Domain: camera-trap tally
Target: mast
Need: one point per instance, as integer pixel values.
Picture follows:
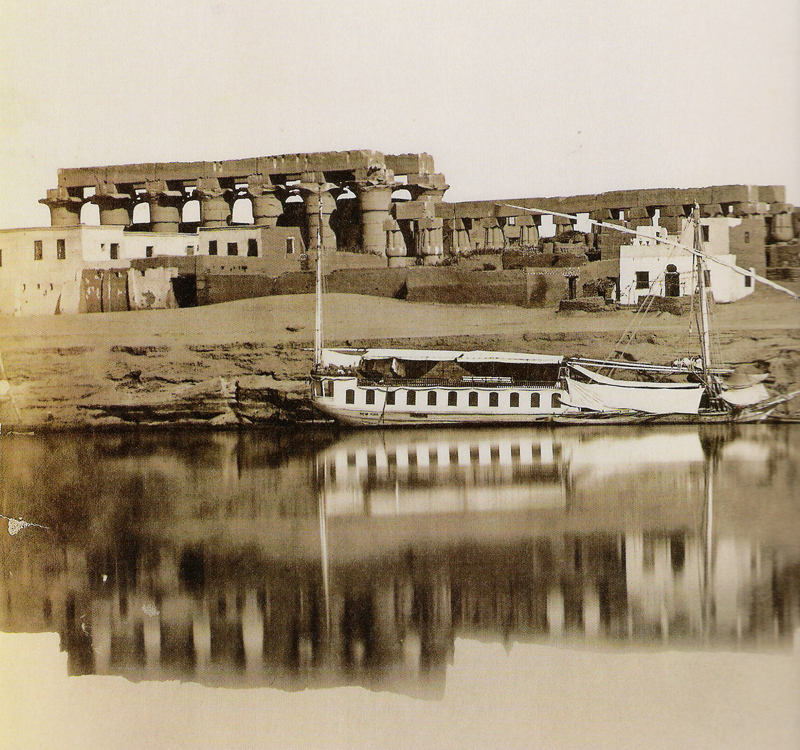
(705, 339)
(318, 318)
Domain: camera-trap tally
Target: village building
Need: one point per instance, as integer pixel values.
(188, 233)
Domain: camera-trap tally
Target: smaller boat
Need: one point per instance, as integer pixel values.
(385, 387)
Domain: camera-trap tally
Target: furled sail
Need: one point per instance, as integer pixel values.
(748, 396)
(606, 394)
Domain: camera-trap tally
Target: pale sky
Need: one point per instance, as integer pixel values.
(512, 99)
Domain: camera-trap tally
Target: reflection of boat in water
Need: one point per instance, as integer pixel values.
(390, 387)
(164, 591)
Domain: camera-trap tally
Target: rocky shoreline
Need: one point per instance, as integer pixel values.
(109, 377)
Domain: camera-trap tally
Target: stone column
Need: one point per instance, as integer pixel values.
(529, 230)
(65, 209)
(374, 201)
(267, 206)
(310, 191)
(115, 207)
(781, 226)
(165, 206)
(215, 207)
(396, 248)
(430, 240)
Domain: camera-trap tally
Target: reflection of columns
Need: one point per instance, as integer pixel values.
(374, 201)
(555, 611)
(266, 205)
(215, 207)
(201, 637)
(152, 640)
(65, 209)
(310, 191)
(252, 633)
(165, 206)
(115, 208)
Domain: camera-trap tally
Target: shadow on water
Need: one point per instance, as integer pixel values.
(308, 560)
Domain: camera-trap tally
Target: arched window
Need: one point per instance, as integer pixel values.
(473, 398)
(411, 398)
(350, 396)
(513, 400)
(536, 401)
(494, 399)
(431, 398)
(370, 396)
(452, 398)
(389, 398)
(555, 400)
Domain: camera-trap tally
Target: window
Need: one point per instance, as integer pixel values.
(350, 396)
(535, 400)
(746, 237)
(431, 398)
(511, 221)
(114, 251)
(494, 400)
(212, 247)
(643, 279)
(233, 248)
(473, 398)
(748, 281)
(327, 388)
(61, 249)
(390, 398)
(452, 398)
(37, 250)
(190, 249)
(513, 400)
(704, 231)
(317, 388)
(555, 400)
(370, 396)
(289, 245)
(411, 398)
(252, 247)
(148, 251)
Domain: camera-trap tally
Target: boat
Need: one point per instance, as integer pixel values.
(387, 387)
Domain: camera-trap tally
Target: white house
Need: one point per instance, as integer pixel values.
(651, 267)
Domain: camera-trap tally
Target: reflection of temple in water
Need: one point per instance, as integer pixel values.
(528, 543)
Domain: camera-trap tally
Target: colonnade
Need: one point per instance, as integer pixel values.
(269, 195)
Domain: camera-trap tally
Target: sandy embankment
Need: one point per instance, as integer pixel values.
(245, 362)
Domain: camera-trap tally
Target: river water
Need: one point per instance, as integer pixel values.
(290, 560)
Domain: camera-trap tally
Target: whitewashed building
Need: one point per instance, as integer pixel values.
(649, 266)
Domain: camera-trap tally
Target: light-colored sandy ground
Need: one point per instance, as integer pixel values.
(535, 696)
(191, 364)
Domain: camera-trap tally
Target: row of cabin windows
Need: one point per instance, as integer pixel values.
(452, 398)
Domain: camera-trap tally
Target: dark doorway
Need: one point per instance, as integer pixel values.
(573, 286)
(185, 290)
(672, 282)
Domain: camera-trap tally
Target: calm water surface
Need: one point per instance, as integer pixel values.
(298, 560)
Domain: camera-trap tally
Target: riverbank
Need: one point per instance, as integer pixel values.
(245, 363)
